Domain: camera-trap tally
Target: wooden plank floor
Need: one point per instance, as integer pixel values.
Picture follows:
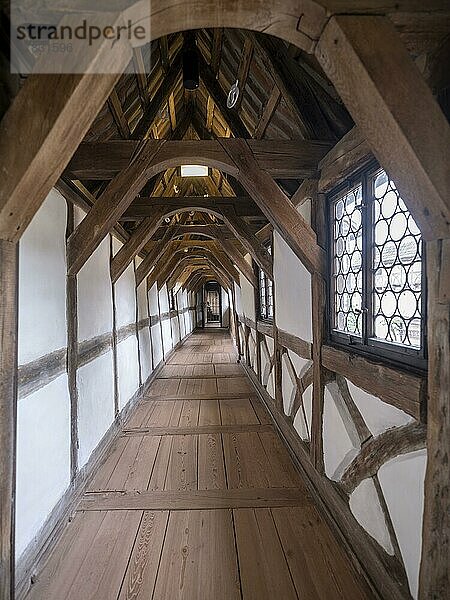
(199, 500)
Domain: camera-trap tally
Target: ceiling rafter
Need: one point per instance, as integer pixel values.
(299, 98)
(159, 99)
(120, 120)
(243, 70)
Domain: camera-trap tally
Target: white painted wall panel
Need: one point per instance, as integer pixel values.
(292, 291)
(166, 336)
(95, 314)
(153, 300)
(225, 308)
(125, 297)
(247, 296)
(95, 403)
(142, 301)
(337, 445)
(402, 482)
(128, 369)
(175, 329)
(157, 344)
(146, 353)
(42, 281)
(237, 295)
(365, 505)
(43, 457)
(377, 414)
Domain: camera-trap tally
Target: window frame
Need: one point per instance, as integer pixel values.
(368, 346)
(258, 271)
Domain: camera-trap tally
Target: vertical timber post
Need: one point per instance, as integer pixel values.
(434, 577)
(72, 349)
(114, 336)
(318, 298)
(9, 263)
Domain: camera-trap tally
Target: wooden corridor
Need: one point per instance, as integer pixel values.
(198, 499)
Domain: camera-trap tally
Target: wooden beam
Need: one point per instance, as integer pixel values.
(287, 159)
(299, 98)
(108, 208)
(434, 574)
(9, 260)
(216, 92)
(160, 97)
(404, 390)
(118, 115)
(379, 450)
(145, 206)
(250, 242)
(269, 110)
(384, 91)
(141, 76)
(137, 241)
(216, 51)
(277, 207)
(243, 70)
(350, 154)
(154, 255)
(172, 112)
(78, 195)
(164, 53)
(37, 144)
(238, 259)
(307, 190)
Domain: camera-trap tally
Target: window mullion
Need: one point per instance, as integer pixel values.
(367, 260)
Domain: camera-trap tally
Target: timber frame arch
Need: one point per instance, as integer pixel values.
(410, 148)
(233, 157)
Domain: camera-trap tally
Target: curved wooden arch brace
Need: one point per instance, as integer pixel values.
(221, 242)
(376, 451)
(235, 158)
(220, 259)
(148, 227)
(167, 270)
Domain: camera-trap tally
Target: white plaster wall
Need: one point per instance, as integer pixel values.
(146, 353)
(175, 329)
(142, 301)
(42, 281)
(125, 296)
(365, 506)
(95, 403)
(402, 482)
(225, 308)
(127, 350)
(153, 300)
(163, 299)
(144, 333)
(292, 291)
(157, 344)
(166, 331)
(43, 457)
(165, 324)
(237, 295)
(337, 445)
(128, 369)
(247, 299)
(377, 414)
(95, 311)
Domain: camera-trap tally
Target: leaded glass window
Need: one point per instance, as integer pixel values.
(265, 295)
(377, 280)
